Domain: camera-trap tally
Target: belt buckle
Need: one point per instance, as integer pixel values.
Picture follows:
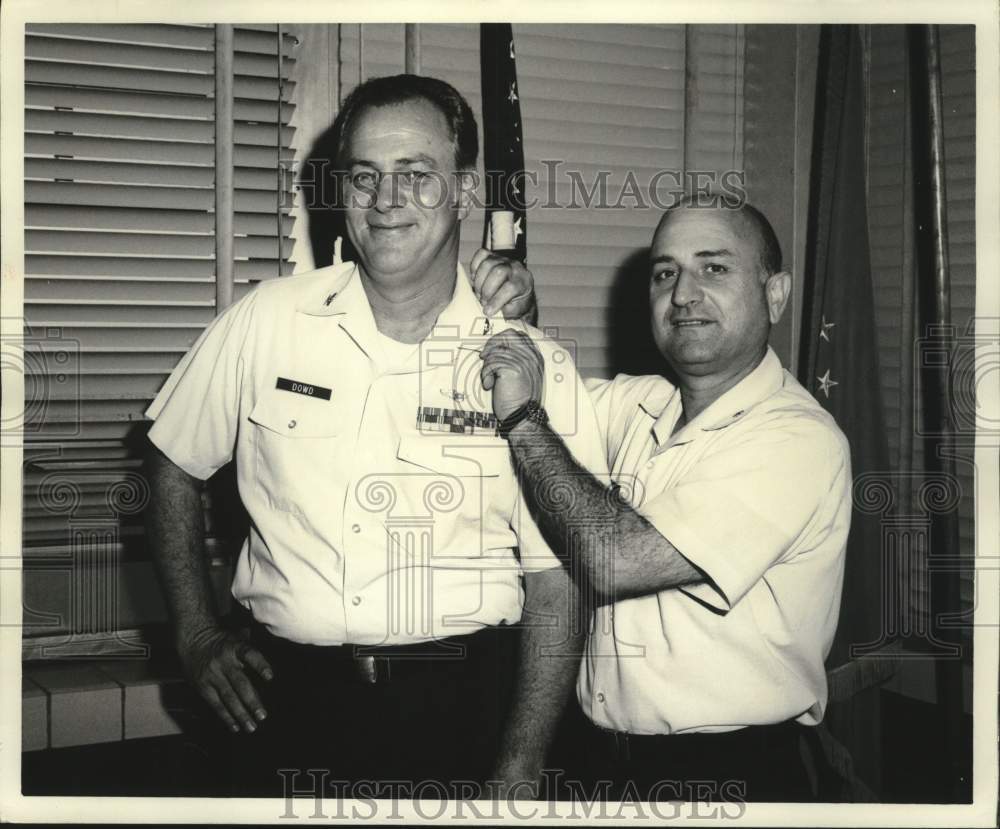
(367, 669)
(373, 669)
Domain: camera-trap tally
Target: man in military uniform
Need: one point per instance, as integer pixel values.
(390, 554)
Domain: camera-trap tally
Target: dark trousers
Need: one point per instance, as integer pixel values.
(754, 764)
(411, 718)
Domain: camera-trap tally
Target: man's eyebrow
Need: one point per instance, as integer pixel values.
(701, 254)
(419, 158)
(714, 253)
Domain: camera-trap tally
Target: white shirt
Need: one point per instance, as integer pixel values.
(755, 492)
(368, 526)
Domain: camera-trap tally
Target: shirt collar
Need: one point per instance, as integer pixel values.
(765, 380)
(463, 316)
(339, 292)
(342, 294)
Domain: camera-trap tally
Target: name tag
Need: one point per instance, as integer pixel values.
(308, 389)
(456, 421)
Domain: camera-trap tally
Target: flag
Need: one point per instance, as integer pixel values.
(839, 365)
(503, 149)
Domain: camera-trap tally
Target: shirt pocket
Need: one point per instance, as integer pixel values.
(460, 456)
(294, 441)
(465, 485)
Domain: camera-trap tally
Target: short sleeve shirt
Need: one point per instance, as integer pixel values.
(384, 506)
(755, 493)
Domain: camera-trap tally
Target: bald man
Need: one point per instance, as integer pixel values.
(716, 600)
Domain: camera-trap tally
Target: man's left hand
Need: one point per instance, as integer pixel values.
(514, 369)
(504, 285)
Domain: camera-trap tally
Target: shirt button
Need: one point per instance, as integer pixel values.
(291, 424)
(600, 697)
(649, 465)
(356, 601)
(355, 528)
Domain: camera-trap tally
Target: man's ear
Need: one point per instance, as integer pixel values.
(777, 289)
(466, 181)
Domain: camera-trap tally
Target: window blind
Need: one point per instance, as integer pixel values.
(958, 70)
(119, 246)
(890, 209)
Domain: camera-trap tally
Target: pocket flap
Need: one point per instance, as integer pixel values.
(458, 457)
(295, 416)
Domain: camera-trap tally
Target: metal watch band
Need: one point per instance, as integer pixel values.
(532, 410)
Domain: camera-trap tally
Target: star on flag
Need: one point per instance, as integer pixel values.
(825, 383)
(824, 329)
(517, 228)
(512, 95)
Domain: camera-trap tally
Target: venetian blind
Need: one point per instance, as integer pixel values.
(890, 210)
(958, 68)
(119, 245)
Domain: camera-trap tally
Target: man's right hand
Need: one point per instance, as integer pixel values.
(503, 284)
(214, 660)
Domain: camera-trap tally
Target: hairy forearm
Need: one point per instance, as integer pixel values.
(548, 661)
(568, 500)
(175, 533)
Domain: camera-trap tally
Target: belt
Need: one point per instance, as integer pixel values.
(624, 746)
(374, 665)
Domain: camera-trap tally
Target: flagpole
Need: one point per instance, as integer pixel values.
(224, 181)
(946, 598)
(690, 87)
(939, 316)
(411, 57)
(942, 283)
(503, 152)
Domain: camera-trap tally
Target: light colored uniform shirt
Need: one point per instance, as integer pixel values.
(384, 507)
(756, 493)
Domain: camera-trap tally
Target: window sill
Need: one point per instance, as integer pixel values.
(101, 701)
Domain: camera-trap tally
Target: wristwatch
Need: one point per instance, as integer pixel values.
(532, 410)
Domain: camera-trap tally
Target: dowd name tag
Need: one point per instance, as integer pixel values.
(308, 389)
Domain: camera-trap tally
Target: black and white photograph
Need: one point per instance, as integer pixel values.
(493, 415)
